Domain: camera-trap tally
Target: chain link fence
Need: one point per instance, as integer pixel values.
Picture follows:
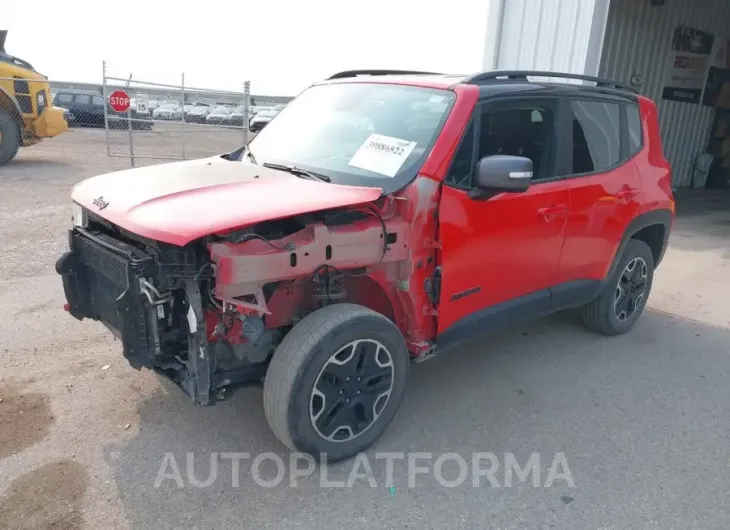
(171, 122)
(163, 122)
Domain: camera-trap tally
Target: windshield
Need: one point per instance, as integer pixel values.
(238, 110)
(364, 134)
(167, 106)
(221, 110)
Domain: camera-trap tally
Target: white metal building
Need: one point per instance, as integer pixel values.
(634, 41)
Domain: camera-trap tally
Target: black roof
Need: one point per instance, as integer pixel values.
(511, 81)
(552, 89)
(499, 82)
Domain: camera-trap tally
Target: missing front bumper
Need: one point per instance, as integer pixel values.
(101, 281)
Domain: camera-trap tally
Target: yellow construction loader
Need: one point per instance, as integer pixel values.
(26, 111)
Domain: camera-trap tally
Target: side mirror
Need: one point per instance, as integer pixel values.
(504, 173)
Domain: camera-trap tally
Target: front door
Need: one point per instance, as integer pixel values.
(97, 110)
(83, 110)
(500, 255)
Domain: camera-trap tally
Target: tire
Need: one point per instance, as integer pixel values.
(9, 137)
(603, 314)
(307, 355)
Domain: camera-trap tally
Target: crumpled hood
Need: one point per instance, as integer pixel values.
(180, 202)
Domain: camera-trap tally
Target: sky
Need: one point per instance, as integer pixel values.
(281, 46)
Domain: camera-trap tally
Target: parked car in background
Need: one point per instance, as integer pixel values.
(197, 114)
(190, 106)
(168, 111)
(237, 116)
(87, 109)
(218, 115)
(68, 116)
(261, 120)
(187, 109)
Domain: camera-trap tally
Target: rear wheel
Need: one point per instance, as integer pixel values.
(9, 137)
(617, 309)
(336, 381)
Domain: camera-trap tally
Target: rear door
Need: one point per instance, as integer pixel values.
(500, 255)
(604, 186)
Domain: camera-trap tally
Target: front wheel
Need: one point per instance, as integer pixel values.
(9, 137)
(336, 381)
(616, 310)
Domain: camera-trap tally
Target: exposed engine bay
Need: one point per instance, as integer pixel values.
(209, 315)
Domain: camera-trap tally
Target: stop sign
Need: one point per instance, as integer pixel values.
(119, 100)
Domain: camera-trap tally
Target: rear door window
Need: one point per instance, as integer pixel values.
(83, 99)
(596, 136)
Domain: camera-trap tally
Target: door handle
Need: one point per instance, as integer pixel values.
(627, 193)
(551, 212)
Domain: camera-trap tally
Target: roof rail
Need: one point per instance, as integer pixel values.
(355, 73)
(522, 76)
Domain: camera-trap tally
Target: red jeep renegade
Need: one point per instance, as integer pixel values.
(380, 218)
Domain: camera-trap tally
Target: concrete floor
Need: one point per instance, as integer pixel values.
(643, 420)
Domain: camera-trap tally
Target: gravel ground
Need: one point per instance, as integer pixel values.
(642, 419)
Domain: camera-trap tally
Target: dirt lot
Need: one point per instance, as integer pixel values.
(642, 419)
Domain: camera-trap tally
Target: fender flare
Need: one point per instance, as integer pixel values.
(655, 217)
(17, 113)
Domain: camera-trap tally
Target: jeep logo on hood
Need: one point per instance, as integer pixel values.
(100, 203)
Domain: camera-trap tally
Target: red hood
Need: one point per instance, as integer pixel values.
(179, 202)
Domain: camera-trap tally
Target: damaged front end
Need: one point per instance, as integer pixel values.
(153, 298)
(209, 315)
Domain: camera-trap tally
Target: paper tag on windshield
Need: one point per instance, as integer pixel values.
(382, 154)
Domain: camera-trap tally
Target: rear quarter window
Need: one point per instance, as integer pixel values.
(636, 132)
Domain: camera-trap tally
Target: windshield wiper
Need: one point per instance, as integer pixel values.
(299, 172)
